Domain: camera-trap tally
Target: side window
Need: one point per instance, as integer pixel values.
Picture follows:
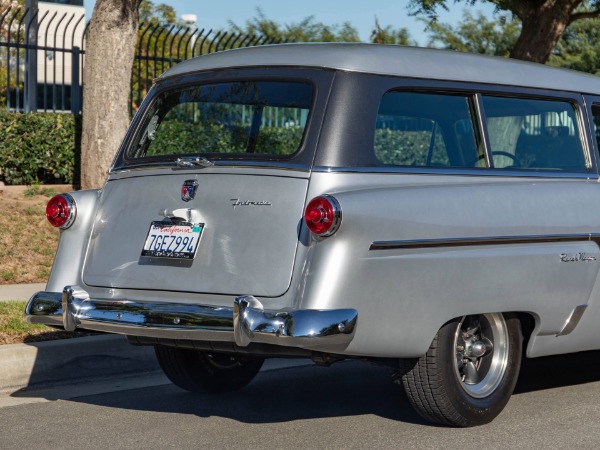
(596, 114)
(533, 134)
(422, 129)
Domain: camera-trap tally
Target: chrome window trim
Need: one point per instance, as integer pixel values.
(589, 102)
(279, 165)
(464, 171)
(483, 241)
(483, 133)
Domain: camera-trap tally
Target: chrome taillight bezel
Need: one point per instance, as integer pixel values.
(335, 212)
(70, 211)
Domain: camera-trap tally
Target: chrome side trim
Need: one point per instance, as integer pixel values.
(246, 322)
(573, 320)
(455, 171)
(486, 240)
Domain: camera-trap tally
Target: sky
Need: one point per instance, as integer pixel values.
(360, 13)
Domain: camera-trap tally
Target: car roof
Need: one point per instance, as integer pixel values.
(396, 60)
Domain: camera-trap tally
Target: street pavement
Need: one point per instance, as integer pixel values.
(350, 405)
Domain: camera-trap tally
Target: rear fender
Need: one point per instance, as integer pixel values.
(66, 269)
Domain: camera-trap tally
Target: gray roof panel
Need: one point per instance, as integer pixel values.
(396, 60)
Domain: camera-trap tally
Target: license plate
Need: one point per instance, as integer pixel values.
(169, 240)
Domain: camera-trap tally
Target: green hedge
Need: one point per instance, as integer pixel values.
(39, 148)
(45, 148)
(178, 137)
(408, 148)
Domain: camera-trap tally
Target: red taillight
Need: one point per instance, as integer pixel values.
(323, 215)
(61, 211)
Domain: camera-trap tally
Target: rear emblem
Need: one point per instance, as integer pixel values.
(188, 190)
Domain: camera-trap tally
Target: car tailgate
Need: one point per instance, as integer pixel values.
(247, 246)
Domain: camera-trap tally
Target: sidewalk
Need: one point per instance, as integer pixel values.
(19, 291)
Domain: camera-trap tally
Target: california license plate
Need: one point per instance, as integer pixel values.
(169, 240)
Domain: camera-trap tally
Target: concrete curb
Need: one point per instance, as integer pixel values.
(70, 361)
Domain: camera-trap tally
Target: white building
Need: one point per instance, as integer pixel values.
(61, 27)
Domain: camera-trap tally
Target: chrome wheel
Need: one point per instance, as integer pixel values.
(481, 344)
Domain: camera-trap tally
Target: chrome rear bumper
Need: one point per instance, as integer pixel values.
(246, 322)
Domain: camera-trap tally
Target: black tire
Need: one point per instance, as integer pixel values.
(204, 372)
(462, 380)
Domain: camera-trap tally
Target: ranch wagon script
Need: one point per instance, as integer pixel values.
(431, 211)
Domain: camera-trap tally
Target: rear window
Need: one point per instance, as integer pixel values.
(232, 119)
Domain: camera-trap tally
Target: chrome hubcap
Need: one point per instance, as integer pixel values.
(481, 344)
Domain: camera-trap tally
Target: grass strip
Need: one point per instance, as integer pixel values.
(15, 330)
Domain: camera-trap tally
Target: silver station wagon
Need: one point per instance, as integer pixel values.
(432, 211)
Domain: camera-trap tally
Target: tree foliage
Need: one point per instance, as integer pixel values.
(307, 30)
(8, 9)
(579, 48)
(476, 34)
(543, 22)
(390, 35)
(151, 13)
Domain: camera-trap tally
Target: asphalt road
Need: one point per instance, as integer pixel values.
(351, 405)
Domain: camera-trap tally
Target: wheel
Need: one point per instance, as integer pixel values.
(203, 372)
(469, 372)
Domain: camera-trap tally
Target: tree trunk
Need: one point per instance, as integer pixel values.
(542, 28)
(110, 52)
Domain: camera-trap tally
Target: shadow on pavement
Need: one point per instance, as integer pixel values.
(349, 388)
(558, 371)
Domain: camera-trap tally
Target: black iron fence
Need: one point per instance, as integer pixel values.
(42, 54)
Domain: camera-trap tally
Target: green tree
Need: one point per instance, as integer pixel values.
(307, 30)
(390, 35)
(579, 48)
(476, 34)
(543, 22)
(151, 13)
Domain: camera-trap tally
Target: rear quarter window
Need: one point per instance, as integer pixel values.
(426, 130)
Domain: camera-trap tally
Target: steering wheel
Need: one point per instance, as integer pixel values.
(515, 160)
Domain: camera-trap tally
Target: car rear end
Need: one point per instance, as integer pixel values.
(199, 231)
